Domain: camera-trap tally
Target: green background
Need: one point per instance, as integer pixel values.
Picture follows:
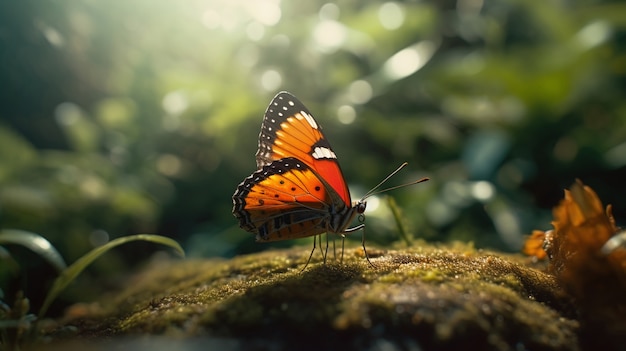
(125, 117)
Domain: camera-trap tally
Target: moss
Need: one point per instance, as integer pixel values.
(426, 296)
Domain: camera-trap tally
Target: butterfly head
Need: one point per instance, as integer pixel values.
(360, 206)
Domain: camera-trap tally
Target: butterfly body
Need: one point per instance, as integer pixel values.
(298, 189)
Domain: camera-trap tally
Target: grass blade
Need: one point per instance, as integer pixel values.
(36, 243)
(69, 274)
(397, 216)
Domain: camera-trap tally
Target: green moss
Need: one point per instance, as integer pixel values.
(442, 297)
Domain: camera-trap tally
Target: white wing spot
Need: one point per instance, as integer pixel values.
(309, 119)
(323, 152)
(285, 108)
(291, 103)
(269, 128)
(279, 114)
(273, 120)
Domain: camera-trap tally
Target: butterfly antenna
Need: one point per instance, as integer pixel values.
(374, 191)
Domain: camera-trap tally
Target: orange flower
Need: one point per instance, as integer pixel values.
(535, 244)
(589, 272)
(581, 228)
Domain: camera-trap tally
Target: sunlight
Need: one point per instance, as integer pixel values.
(391, 15)
(360, 92)
(482, 190)
(373, 204)
(329, 11)
(409, 60)
(266, 12)
(329, 35)
(593, 34)
(271, 80)
(233, 15)
(346, 114)
(175, 102)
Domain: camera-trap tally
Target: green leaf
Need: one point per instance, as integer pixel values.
(35, 243)
(68, 275)
(397, 216)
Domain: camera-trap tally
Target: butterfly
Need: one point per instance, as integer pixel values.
(298, 189)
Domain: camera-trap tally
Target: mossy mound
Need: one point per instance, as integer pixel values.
(423, 298)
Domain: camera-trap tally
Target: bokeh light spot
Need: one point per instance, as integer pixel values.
(67, 113)
(92, 187)
(53, 36)
(391, 15)
(407, 61)
(594, 34)
(271, 80)
(169, 165)
(346, 114)
(175, 102)
(329, 35)
(266, 12)
(373, 203)
(329, 11)
(482, 190)
(360, 92)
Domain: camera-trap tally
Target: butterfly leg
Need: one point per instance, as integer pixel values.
(324, 253)
(361, 226)
(343, 241)
(311, 255)
(363, 243)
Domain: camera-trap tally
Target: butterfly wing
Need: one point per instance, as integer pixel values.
(289, 130)
(287, 199)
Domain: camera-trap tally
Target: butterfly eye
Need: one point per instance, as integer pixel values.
(360, 206)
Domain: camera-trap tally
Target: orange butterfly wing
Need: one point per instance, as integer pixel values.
(289, 130)
(283, 200)
(298, 189)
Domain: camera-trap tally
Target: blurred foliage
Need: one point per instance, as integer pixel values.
(122, 117)
(18, 325)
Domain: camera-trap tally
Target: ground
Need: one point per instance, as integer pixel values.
(419, 298)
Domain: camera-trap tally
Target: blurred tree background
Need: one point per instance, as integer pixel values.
(126, 117)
